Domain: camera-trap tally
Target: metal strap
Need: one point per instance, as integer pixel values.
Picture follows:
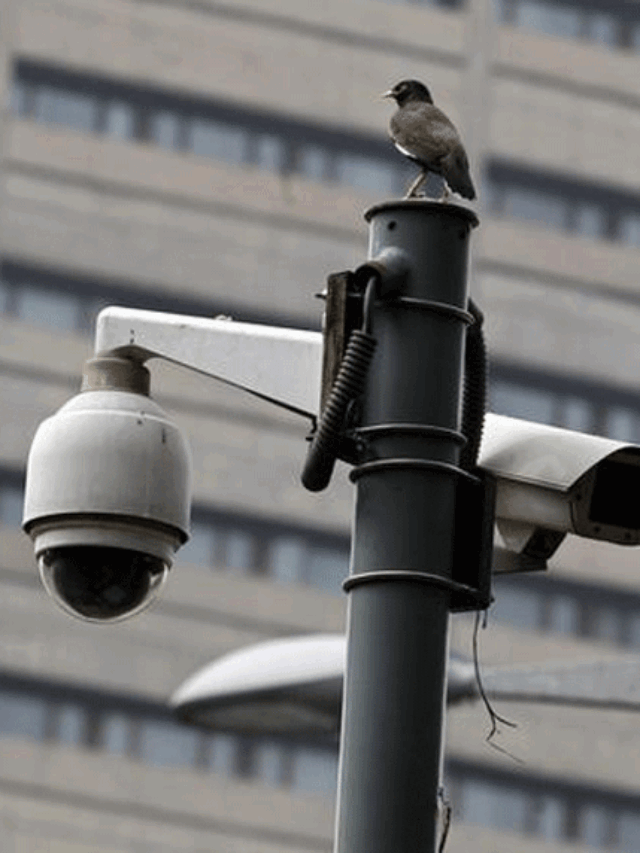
(425, 430)
(416, 464)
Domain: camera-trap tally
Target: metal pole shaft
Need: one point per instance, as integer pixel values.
(399, 583)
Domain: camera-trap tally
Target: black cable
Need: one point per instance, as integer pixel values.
(474, 395)
(349, 384)
(494, 717)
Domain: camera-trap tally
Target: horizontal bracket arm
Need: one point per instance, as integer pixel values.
(280, 365)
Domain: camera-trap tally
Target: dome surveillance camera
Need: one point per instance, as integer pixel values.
(107, 502)
(101, 583)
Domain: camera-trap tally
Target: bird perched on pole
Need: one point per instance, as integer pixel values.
(424, 134)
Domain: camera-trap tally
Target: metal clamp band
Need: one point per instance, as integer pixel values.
(451, 311)
(417, 464)
(385, 575)
(425, 430)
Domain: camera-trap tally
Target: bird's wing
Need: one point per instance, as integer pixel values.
(455, 171)
(424, 132)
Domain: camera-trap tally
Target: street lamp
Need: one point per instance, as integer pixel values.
(290, 686)
(294, 687)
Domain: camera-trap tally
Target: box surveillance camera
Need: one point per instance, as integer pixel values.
(553, 481)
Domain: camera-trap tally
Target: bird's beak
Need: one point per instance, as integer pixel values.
(388, 94)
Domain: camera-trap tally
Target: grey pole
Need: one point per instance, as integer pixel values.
(401, 563)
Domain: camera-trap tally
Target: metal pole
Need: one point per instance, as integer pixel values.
(400, 577)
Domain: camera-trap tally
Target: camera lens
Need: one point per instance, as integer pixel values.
(101, 584)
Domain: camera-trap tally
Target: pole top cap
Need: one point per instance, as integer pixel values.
(428, 206)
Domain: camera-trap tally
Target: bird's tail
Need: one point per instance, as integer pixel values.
(455, 170)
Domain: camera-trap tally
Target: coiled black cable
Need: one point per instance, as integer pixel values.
(349, 384)
(474, 394)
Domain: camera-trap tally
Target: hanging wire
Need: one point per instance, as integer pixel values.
(447, 813)
(493, 714)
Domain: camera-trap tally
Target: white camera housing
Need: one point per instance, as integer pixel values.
(107, 500)
(109, 475)
(553, 481)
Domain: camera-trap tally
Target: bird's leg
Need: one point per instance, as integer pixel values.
(446, 193)
(415, 186)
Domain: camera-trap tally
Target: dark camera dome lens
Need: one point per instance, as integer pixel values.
(101, 583)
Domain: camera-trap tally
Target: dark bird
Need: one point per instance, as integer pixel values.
(424, 134)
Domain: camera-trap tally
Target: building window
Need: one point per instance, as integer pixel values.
(589, 220)
(69, 724)
(296, 559)
(514, 605)
(580, 610)
(207, 129)
(286, 558)
(623, 423)
(215, 139)
(535, 206)
(630, 228)
(167, 744)
(564, 402)
(315, 769)
(48, 298)
(560, 203)
(271, 763)
(119, 120)
(146, 731)
(611, 24)
(548, 17)
(165, 129)
(518, 401)
(489, 805)
(629, 832)
(22, 716)
(548, 816)
(53, 105)
(287, 555)
(282, 145)
(11, 501)
(116, 735)
(238, 553)
(365, 174)
(549, 809)
(562, 615)
(47, 307)
(200, 549)
(326, 568)
(269, 152)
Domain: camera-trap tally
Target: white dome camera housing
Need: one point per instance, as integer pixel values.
(107, 495)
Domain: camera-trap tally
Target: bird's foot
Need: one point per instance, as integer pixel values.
(421, 193)
(412, 192)
(445, 198)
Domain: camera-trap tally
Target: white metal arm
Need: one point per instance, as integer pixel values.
(280, 365)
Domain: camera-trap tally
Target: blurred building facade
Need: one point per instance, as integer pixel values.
(201, 157)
